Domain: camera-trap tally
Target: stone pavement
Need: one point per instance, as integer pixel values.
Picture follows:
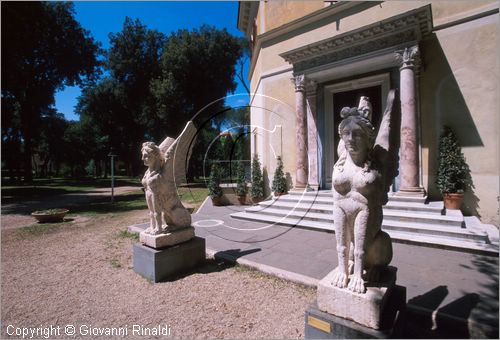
(445, 289)
(442, 284)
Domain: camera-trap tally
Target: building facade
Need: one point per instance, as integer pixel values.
(311, 58)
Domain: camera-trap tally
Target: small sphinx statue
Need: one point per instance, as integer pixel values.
(166, 165)
(361, 178)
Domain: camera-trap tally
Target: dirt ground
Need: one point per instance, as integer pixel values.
(79, 273)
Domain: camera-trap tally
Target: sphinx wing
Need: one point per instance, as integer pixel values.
(179, 151)
(386, 149)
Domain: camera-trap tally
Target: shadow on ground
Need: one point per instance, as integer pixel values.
(473, 315)
(209, 266)
(79, 204)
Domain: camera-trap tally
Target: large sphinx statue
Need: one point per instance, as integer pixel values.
(361, 178)
(166, 166)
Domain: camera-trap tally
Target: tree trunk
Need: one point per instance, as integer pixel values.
(28, 168)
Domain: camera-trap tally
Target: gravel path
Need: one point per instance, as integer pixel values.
(80, 273)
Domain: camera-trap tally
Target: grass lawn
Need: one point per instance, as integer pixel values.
(56, 186)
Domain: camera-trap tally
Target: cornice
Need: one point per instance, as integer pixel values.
(298, 24)
(409, 27)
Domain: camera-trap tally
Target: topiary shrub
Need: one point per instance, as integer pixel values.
(257, 189)
(214, 189)
(453, 175)
(241, 186)
(279, 181)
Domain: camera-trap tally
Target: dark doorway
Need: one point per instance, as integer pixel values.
(351, 99)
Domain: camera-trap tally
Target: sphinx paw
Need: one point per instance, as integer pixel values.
(357, 284)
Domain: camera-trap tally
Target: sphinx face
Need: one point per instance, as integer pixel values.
(355, 139)
(146, 158)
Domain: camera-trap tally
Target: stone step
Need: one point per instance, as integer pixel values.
(437, 241)
(394, 198)
(423, 218)
(305, 199)
(444, 243)
(304, 214)
(416, 218)
(313, 207)
(290, 221)
(321, 193)
(424, 229)
(413, 206)
(436, 230)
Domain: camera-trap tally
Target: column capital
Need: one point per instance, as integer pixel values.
(311, 87)
(300, 82)
(409, 57)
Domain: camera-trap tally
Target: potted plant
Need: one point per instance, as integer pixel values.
(50, 215)
(257, 189)
(453, 175)
(241, 187)
(214, 189)
(279, 186)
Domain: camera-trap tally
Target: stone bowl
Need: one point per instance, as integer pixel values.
(50, 215)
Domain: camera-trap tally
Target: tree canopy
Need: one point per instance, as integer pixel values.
(45, 48)
(156, 83)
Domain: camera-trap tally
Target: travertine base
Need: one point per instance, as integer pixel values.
(365, 309)
(168, 239)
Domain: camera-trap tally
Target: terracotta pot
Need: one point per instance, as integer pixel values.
(44, 217)
(242, 199)
(453, 200)
(216, 201)
(257, 200)
(277, 194)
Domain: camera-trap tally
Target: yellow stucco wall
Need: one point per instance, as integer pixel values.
(459, 88)
(279, 12)
(459, 85)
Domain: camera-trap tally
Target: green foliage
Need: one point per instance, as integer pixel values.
(156, 84)
(214, 189)
(257, 189)
(279, 180)
(198, 67)
(241, 187)
(126, 234)
(453, 173)
(45, 49)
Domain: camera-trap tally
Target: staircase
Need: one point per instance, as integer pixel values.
(407, 220)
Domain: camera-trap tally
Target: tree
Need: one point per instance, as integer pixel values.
(45, 49)
(49, 144)
(198, 67)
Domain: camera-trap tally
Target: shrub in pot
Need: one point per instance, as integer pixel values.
(214, 189)
(257, 189)
(279, 186)
(241, 186)
(453, 175)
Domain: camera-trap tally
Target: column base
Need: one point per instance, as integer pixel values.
(305, 188)
(411, 192)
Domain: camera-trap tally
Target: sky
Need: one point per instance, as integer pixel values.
(101, 18)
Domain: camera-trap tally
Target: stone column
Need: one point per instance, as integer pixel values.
(312, 134)
(409, 152)
(301, 130)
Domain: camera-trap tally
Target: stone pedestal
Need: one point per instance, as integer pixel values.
(322, 325)
(168, 239)
(365, 309)
(158, 264)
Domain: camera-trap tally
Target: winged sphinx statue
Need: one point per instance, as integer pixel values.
(361, 178)
(166, 169)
